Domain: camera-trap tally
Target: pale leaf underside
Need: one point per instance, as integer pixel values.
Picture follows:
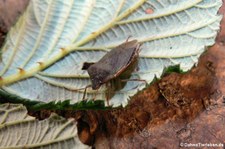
(19, 130)
(176, 32)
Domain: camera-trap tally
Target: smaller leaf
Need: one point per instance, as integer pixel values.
(19, 130)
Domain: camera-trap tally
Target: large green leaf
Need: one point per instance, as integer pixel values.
(19, 130)
(45, 50)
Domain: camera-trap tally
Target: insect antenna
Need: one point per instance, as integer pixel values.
(128, 38)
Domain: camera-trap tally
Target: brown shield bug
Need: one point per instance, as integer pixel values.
(116, 66)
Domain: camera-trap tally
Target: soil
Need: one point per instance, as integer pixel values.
(179, 108)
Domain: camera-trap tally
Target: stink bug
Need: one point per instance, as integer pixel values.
(116, 65)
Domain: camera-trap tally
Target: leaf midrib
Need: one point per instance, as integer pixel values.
(63, 52)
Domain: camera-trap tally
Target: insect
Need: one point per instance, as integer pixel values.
(116, 66)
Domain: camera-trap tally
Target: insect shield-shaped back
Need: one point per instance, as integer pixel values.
(113, 64)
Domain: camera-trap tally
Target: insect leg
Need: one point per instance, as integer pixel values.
(107, 93)
(85, 91)
(95, 96)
